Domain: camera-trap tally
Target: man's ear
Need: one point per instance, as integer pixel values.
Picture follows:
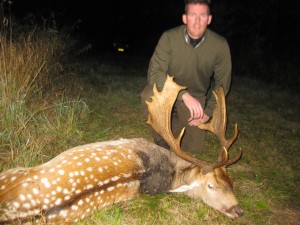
(184, 18)
(209, 19)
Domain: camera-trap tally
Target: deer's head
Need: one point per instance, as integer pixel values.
(210, 181)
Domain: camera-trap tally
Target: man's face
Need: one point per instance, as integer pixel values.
(197, 18)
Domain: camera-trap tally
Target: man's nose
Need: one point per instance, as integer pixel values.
(198, 19)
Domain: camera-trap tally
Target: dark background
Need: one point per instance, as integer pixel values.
(263, 34)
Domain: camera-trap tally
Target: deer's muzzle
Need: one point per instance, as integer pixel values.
(234, 212)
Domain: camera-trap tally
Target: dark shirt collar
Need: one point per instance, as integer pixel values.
(194, 42)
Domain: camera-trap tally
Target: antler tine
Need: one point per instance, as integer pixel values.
(235, 159)
(160, 118)
(217, 125)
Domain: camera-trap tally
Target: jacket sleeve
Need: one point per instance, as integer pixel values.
(159, 64)
(222, 76)
(158, 67)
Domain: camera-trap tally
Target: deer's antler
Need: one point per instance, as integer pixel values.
(160, 119)
(217, 125)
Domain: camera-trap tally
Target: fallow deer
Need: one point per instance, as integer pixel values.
(92, 176)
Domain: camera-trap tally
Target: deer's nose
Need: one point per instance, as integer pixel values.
(235, 211)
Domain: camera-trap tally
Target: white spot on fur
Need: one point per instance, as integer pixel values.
(16, 204)
(126, 175)
(33, 202)
(29, 196)
(61, 172)
(44, 180)
(35, 191)
(115, 178)
(63, 213)
(80, 202)
(90, 186)
(47, 185)
(22, 197)
(58, 201)
(111, 188)
(26, 205)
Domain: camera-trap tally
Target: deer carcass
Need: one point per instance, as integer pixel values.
(92, 176)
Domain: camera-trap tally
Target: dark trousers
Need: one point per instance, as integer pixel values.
(194, 137)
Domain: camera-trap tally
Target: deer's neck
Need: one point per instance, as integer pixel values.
(185, 173)
(164, 171)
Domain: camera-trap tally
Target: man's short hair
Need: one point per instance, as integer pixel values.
(204, 2)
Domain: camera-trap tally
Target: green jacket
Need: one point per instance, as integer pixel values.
(192, 67)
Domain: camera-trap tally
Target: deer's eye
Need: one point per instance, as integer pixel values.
(210, 186)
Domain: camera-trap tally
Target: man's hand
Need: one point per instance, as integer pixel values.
(196, 122)
(197, 113)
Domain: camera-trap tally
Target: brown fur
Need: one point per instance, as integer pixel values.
(92, 176)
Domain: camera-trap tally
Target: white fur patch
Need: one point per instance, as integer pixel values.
(185, 188)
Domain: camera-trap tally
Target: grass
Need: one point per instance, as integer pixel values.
(266, 178)
(104, 104)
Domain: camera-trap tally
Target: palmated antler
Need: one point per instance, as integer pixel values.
(217, 125)
(160, 109)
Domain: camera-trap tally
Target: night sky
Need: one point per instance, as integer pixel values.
(268, 27)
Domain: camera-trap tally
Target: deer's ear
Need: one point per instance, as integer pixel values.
(185, 188)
